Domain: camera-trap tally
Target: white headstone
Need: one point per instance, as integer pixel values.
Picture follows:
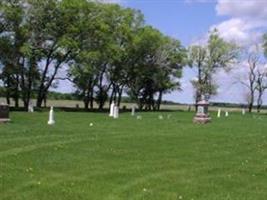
(219, 113)
(111, 112)
(30, 108)
(226, 114)
(116, 112)
(243, 111)
(133, 110)
(51, 119)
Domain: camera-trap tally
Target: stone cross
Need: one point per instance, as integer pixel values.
(51, 120)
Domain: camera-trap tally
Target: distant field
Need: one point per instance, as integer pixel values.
(73, 104)
(127, 158)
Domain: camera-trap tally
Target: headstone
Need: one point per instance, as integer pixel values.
(202, 115)
(226, 114)
(139, 117)
(4, 113)
(133, 110)
(30, 107)
(111, 111)
(219, 113)
(51, 119)
(243, 111)
(169, 116)
(116, 112)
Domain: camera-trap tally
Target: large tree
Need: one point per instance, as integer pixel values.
(156, 67)
(208, 59)
(13, 39)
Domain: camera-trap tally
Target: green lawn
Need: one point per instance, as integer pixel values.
(133, 159)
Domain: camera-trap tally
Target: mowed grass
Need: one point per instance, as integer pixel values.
(134, 159)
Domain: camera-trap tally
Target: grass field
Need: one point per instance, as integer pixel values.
(127, 158)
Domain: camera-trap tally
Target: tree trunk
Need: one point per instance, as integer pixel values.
(119, 96)
(250, 107)
(86, 99)
(111, 96)
(259, 102)
(8, 90)
(92, 99)
(39, 101)
(251, 100)
(86, 104)
(159, 100)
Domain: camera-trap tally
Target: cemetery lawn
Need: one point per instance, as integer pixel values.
(130, 159)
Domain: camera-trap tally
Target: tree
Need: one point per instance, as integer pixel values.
(265, 44)
(13, 38)
(103, 55)
(171, 58)
(261, 86)
(208, 59)
(156, 67)
(256, 77)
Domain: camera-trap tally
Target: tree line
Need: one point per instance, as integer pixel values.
(105, 50)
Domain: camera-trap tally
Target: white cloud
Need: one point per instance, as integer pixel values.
(247, 20)
(244, 9)
(242, 31)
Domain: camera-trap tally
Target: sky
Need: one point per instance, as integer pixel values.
(239, 21)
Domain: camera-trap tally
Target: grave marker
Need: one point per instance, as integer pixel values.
(4, 113)
(111, 110)
(133, 111)
(51, 120)
(219, 113)
(116, 112)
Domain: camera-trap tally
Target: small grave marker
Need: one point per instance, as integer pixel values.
(116, 112)
(51, 120)
(219, 113)
(4, 113)
(111, 110)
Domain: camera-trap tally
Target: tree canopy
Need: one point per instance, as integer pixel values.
(104, 49)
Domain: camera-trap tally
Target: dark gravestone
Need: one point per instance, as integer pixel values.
(4, 113)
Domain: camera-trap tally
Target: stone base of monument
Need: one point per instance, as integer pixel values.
(202, 119)
(4, 113)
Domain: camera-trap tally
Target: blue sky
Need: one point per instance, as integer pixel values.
(184, 21)
(241, 21)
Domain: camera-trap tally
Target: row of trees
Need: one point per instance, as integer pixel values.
(103, 49)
